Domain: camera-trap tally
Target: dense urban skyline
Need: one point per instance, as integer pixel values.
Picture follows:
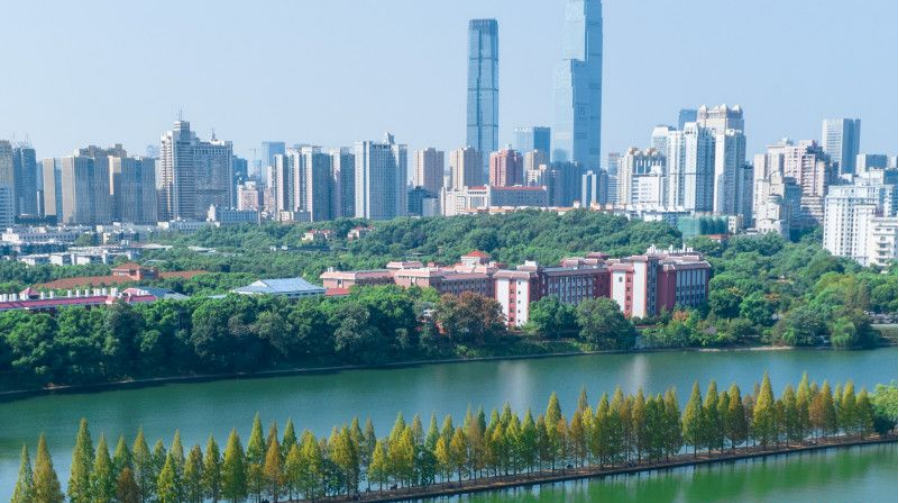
(249, 107)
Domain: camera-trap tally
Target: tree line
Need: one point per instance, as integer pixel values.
(622, 429)
(373, 325)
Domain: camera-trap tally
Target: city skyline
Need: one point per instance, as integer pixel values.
(793, 108)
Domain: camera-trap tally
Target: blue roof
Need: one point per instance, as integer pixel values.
(281, 286)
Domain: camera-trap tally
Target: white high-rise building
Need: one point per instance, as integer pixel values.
(853, 220)
(465, 168)
(840, 139)
(381, 173)
(720, 118)
(429, 168)
(633, 165)
(193, 174)
(691, 167)
(730, 156)
(658, 140)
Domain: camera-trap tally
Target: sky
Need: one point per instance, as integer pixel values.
(332, 72)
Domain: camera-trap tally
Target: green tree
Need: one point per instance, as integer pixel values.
(886, 405)
(764, 418)
(735, 425)
(212, 471)
(234, 470)
(192, 480)
(24, 490)
(255, 460)
(459, 451)
(102, 477)
(553, 319)
(293, 468)
(603, 325)
(121, 459)
(144, 470)
(79, 489)
(167, 486)
(693, 420)
(310, 477)
(46, 483)
(378, 469)
(674, 432)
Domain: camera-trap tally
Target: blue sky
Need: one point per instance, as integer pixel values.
(331, 72)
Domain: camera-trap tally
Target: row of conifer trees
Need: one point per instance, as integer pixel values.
(621, 429)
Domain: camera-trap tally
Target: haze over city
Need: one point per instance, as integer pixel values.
(335, 72)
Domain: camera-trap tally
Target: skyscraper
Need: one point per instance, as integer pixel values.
(380, 179)
(526, 139)
(7, 184)
(720, 118)
(506, 168)
(577, 87)
(27, 180)
(83, 188)
(684, 116)
(483, 87)
(193, 174)
(691, 166)
(465, 168)
(840, 139)
(730, 157)
(343, 184)
(133, 189)
(317, 169)
(267, 156)
(429, 169)
(633, 165)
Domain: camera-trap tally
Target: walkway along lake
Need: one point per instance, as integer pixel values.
(319, 401)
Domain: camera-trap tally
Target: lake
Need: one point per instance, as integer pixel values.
(318, 401)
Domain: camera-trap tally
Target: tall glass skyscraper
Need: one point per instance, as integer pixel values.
(483, 88)
(577, 87)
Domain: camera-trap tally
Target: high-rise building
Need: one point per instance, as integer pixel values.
(465, 168)
(283, 182)
(785, 165)
(83, 188)
(684, 116)
(527, 139)
(852, 215)
(730, 158)
(506, 168)
(429, 168)
(611, 170)
(7, 184)
(483, 88)
(720, 118)
(577, 87)
(636, 163)
(564, 183)
(866, 162)
(27, 180)
(193, 174)
(132, 184)
(691, 166)
(381, 173)
(249, 196)
(317, 186)
(267, 155)
(658, 140)
(592, 188)
(343, 184)
(840, 139)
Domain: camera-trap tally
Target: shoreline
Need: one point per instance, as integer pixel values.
(11, 395)
(544, 478)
